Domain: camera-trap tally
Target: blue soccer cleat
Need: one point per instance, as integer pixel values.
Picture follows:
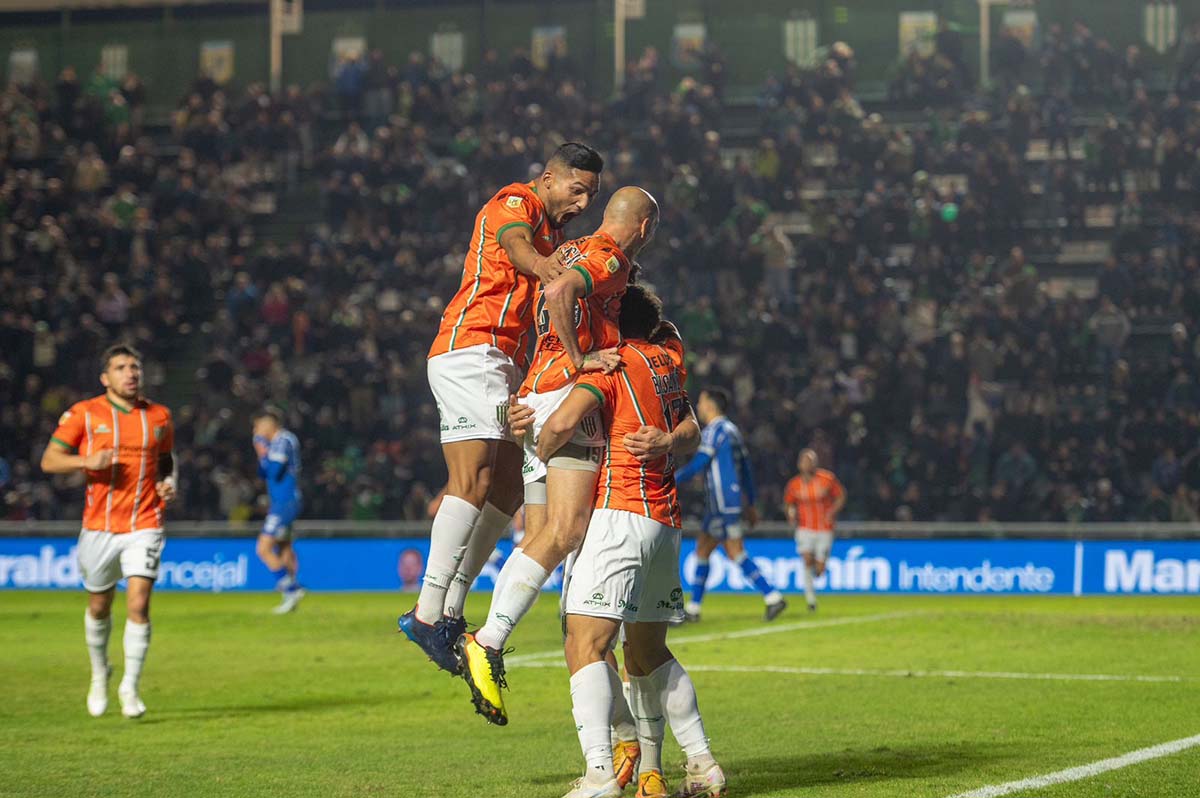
(433, 639)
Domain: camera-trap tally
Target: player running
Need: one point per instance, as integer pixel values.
(578, 312)
(729, 488)
(278, 453)
(814, 497)
(628, 568)
(123, 444)
(475, 365)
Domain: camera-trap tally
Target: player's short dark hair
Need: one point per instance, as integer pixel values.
(272, 413)
(578, 155)
(641, 313)
(118, 349)
(719, 397)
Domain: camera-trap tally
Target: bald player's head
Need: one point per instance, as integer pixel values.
(631, 217)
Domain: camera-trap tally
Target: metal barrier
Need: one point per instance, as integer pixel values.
(770, 529)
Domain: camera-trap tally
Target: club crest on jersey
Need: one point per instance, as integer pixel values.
(612, 264)
(159, 432)
(513, 202)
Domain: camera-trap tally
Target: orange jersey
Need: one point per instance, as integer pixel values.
(494, 302)
(605, 271)
(121, 498)
(813, 499)
(646, 390)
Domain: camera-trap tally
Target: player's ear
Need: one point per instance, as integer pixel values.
(104, 379)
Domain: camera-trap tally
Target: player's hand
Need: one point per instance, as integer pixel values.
(605, 360)
(98, 461)
(750, 516)
(166, 490)
(549, 267)
(648, 443)
(520, 417)
(261, 446)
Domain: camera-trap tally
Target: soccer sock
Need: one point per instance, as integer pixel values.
(645, 697)
(95, 633)
(488, 529)
(137, 642)
(622, 718)
(591, 704)
(755, 577)
(524, 583)
(283, 579)
(447, 546)
(678, 696)
(700, 581)
(809, 592)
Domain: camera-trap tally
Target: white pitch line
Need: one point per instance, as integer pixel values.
(772, 629)
(1083, 771)
(906, 674)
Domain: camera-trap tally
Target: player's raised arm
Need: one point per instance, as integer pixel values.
(517, 242)
(562, 296)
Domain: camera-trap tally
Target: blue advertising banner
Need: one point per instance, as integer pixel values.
(855, 566)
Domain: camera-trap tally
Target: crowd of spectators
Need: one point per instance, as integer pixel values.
(883, 293)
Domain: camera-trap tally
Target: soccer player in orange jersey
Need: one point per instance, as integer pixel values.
(475, 365)
(814, 497)
(576, 313)
(123, 444)
(627, 571)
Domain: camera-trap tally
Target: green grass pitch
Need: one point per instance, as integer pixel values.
(331, 701)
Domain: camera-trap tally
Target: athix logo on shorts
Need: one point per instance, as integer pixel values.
(597, 600)
(463, 424)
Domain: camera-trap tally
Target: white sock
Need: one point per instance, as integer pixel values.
(622, 718)
(488, 529)
(773, 597)
(449, 536)
(645, 698)
(137, 642)
(95, 634)
(809, 593)
(678, 696)
(524, 583)
(591, 704)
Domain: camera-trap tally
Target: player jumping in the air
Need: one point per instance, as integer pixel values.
(814, 497)
(577, 313)
(628, 568)
(123, 444)
(278, 453)
(475, 365)
(729, 487)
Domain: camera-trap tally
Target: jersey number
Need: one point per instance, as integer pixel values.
(542, 316)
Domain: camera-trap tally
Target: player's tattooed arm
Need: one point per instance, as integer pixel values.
(561, 297)
(57, 460)
(517, 243)
(651, 443)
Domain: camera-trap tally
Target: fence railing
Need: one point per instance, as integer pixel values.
(769, 529)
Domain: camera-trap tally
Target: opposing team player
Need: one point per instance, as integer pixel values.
(475, 365)
(123, 444)
(729, 488)
(278, 453)
(814, 497)
(576, 313)
(627, 570)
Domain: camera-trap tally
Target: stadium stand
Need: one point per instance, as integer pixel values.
(984, 309)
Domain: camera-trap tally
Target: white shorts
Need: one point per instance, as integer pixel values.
(589, 433)
(105, 558)
(471, 387)
(627, 570)
(811, 541)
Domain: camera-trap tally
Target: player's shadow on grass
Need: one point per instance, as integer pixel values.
(750, 776)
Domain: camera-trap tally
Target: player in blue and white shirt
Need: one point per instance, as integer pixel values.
(279, 466)
(729, 485)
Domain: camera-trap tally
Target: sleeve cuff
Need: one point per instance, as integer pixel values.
(504, 228)
(66, 446)
(587, 278)
(592, 389)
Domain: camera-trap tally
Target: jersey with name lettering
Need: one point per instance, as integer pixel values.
(605, 271)
(646, 390)
(121, 498)
(494, 302)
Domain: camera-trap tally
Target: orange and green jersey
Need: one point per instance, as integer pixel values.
(813, 499)
(494, 302)
(605, 271)
(121, 498)
(646, 390)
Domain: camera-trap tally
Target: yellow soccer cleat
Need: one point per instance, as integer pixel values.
(483, 670)
(651, 785)
(626, 755)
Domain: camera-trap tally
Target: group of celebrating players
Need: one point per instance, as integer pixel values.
(585, 435)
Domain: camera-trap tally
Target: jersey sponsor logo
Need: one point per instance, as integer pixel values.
(513, 202)
(102, 429)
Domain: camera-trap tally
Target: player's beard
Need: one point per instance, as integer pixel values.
(128, 395)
